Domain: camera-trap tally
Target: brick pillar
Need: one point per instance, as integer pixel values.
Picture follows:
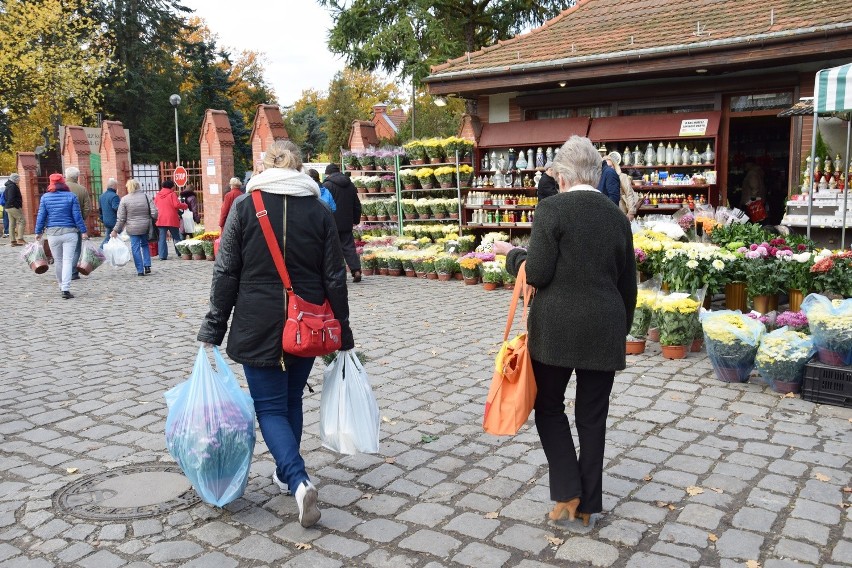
(27, 168)
(217, 164)
(268, 127)
(76, 152)
(115, 155)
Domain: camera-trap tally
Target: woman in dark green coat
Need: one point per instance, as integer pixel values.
(580, 260)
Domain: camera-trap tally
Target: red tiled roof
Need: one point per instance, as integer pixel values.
(595, 30)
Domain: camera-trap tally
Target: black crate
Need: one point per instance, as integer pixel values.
(826, 384)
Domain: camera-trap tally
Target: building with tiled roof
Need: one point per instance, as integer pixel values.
(631, 72)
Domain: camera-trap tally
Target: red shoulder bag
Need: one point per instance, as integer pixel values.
(310, 330)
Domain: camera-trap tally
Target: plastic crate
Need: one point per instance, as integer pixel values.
(826, 384)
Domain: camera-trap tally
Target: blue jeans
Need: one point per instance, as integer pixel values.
(141, 253)
(277, 399)
(161, 245)
(5, 222)
(107, 231)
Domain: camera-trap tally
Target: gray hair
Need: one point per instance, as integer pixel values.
(235, 182)
(283, 154)
(112, 183)
(72, 173)
(578, 162)
(15, 177)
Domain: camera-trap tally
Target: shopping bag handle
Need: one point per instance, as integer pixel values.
(528, 291)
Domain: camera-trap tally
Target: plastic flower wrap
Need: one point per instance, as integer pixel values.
(831, 327)
(646, 300)
(732, 340)
(781, 358)
(675, 315)
(91, 257)
(649, 247)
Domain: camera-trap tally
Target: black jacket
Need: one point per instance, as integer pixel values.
(13, 196)
(609, 184)
(188, 196)
(348, 212)
(245, 279)
(546, 187)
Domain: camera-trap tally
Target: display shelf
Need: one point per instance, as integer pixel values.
(375, 193)
(386, 222)
(370, 172)
(664, 166)
(658, 187)
(431, 220)
(433, 166)
(509, 207)
(499, 226)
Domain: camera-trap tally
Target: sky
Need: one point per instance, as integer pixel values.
(292, 35)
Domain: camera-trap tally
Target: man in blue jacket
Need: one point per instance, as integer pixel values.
(108, 205)
(610, 184)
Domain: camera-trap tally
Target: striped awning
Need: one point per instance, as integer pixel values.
(833, 90)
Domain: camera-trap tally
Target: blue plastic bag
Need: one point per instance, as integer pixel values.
(210, 430)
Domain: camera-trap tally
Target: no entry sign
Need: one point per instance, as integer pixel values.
(180, 176)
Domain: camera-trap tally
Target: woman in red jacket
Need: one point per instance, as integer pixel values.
(168, 220)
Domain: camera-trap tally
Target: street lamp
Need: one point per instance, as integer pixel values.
(175, 100)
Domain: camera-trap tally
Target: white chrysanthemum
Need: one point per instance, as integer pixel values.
(718, 264)
(693, 264)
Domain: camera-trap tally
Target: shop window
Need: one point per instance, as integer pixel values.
(548, 113)
(595, 111)
(762, 101)
(701, 107)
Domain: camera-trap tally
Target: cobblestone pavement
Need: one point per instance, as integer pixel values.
(698, 472)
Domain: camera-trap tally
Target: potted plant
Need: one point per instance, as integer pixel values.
(424, 208)
(465, 148)
(445, 175)
(196, 247)
(425, 177)
(360, 184)
(466, 243)
(367, 159)
(415, 152)
(732, 340)
(452, 207)
(382, 264)
(381, 213)
(830, 322)
(439, 211)
(832, 273)
(369, 264)
(794, 321)
(408, 267)
(429, 268)
(797, 277)
(409, 208)
(394, 265)
(470, 269)
(434, 149)
(676, 313)
(387, 185)
(392, 210)
(763, 276)
(645, 301)
(492, 274)
(183, 250)
(351, 160)
(417, 262)
(465, 175)
(445, 266)
(508, 279)
(408, 178)
(208, 250)
(373, 183)
(368, 208)
(781, 359)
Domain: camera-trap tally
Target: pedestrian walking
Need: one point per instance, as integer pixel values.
(609, 184)
(5, 231)
(108, 207)
(347, 215)
(228, 201)
(72, 176)
(168, 219)
(61, 220)
(188, 196)
(325, 194)
(628, 202)
(242, 276)
(14, 209)
(135, 213)
(580, 261)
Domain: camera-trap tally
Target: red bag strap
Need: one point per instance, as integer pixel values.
(520, 286)
(269, 235)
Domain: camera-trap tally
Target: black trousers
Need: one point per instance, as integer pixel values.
(571, 476)
(347, 243)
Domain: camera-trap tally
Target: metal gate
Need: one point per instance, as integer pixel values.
(193, 181)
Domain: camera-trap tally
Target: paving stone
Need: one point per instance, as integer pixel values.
(343, 546)
(294, 532)
(172, 551)
(212, 560)
(216, 533)
(312, 559)
(429, 514)
(524, 537)
(739, 544)
(381, 530)
(683, 552)
(816, 512)
(796, 550)
(382, 505)
(381, 476)
(842, 552)
(480, 503)
(8, 551)
(477, 555)
(644, 560)
(102, 559)
(683, 534)
(257, 547)
(338, 495)
(113, 532)
(430, 542)
(640, 512)
(473, 525)
(801, 529)
(339, 520)
(526, 510)
(623, 532)
(74, 552)
(767, 500)
(753, 519)
(700, 516)
(258, 519)
(147, 527)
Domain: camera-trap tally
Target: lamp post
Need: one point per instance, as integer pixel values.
(175, 101)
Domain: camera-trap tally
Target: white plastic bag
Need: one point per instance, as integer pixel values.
(117, 252)
(349, 414)
(187, 223)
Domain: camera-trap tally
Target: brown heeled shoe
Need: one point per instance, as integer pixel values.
(565, 508)
(585, 517)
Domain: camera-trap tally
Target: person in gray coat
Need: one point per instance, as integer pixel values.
(135, 212)
(580, 260)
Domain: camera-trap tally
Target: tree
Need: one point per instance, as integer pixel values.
(431, 120)
(248, 84)
(407, 36)
(305, 128)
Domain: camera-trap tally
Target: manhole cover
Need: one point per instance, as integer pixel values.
(132, 492)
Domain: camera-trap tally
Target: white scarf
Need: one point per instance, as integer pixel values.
(282, 181)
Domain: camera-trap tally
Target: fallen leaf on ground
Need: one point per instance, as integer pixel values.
(303, 546)
(752, 564)
(647, 478)
(390, 460)
(491, 515)
(367, 496)
(662, 504)
(554, 540)
(847, 489)
(692, 490)
(71, 470)
(821, 477)
(790, 395)
(712, 537)
(716, 489)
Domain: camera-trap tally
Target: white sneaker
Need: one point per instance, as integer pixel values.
(306, 500)
(281, 485)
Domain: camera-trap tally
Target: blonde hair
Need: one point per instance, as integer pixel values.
(283, 154)
(578, 162)
(132, 185)
(235, 182)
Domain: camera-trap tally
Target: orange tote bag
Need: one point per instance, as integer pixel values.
(512, 393)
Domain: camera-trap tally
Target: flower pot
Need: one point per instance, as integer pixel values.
(731, 374)
(446, 184)
(198, 256)
(426, 185)
(409, 186)
(644, 276)
(364, 218)
(760, 304)
(508, 286)
(367, 271)
(417, 162)
(394, 218)
(372, 190)
(39, 266)
(432, 275)
(436, 160)
(735, 296)
(829, 357)
(459, 276)
(635, 347)
(186, 256)
(454, 215)
(421, 274)
(773, 303)
(361, 189)
(394, 271)
(796, 297)
(371, 217)
(423, 215)
(383, 271)
(784, 387)
(438, 215)
(410, 215)
(382, 217)
(674, 351)
(654, 334)
(489, 285)
(471, 281)
(210, 256)
(696, 344)
(445, 277)
(410, 273)
(388, 188)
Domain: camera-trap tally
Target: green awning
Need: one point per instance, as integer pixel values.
(833, 90)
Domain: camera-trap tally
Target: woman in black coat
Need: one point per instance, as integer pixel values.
(580, 260)
(246, 281)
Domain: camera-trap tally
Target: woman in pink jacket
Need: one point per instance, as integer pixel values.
(168, 220)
